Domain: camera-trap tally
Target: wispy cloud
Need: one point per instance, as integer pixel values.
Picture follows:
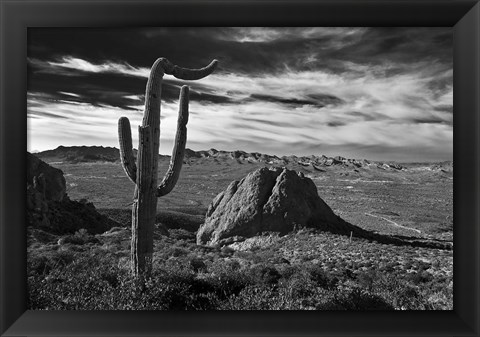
(69, 94)
(73, 66)
(77, 64)
(262, 34)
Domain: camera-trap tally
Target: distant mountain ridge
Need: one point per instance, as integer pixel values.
(312, 160)
(81, 153)
(75, 154)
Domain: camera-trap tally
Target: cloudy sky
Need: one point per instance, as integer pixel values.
(376, 93)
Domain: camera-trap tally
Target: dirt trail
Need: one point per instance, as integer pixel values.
(394, 223)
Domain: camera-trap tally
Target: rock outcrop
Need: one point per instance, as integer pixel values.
(50, 209)
(45, 179)
(266, 200)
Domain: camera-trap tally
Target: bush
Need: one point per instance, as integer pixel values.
(322, 278)
(197, 265)
(80, 237)
(399, 293)
(354, 299)
(298, 286)
(253, 297)
(264, 274)
(420, 277)
(228, 278)
(42, 262)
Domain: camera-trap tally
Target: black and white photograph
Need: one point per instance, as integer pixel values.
(240, 168)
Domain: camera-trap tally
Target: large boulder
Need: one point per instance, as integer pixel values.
(266, 200)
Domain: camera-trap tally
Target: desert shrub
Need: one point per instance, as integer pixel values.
(321, 277)
(398, 292)
(298, 286)
(389, 267)
(253, 297)
(176, 251)
(365, 279)
(264, 274)
(269, 297)
(354, 299)
(182, 234)
(80, 237)
(174, 268)
(42, 262)
(171, 256)
(41, 236)
(197, 264)
(228, 278)
(111, 276)
(38, 265)
(406, 297)
(440, 300)
(286, 271)
(420, 277)
(173, 291)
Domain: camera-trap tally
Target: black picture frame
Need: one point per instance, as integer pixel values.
(15, 18)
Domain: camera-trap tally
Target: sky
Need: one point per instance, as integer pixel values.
(358, 92)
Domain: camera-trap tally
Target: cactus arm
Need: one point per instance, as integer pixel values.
(194, 74)
(126, 149)
(185, 73)
(173, 173)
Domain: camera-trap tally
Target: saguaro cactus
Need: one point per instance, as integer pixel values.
(144, 173)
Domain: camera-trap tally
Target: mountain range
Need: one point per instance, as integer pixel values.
(78, 154)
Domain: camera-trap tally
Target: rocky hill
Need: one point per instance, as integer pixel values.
(81, 154)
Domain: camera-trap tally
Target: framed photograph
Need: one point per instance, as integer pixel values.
(239, 168)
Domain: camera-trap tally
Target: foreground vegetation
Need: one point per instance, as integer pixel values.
(305, 270)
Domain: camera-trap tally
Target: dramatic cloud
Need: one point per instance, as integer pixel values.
(378, 93)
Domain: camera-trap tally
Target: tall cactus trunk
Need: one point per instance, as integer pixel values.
(144, 173)
(144, 207)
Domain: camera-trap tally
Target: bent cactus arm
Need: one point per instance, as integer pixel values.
(171, 177)
(186, 73)
(126, 149)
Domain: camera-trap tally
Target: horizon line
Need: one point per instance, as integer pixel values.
(229, 151)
